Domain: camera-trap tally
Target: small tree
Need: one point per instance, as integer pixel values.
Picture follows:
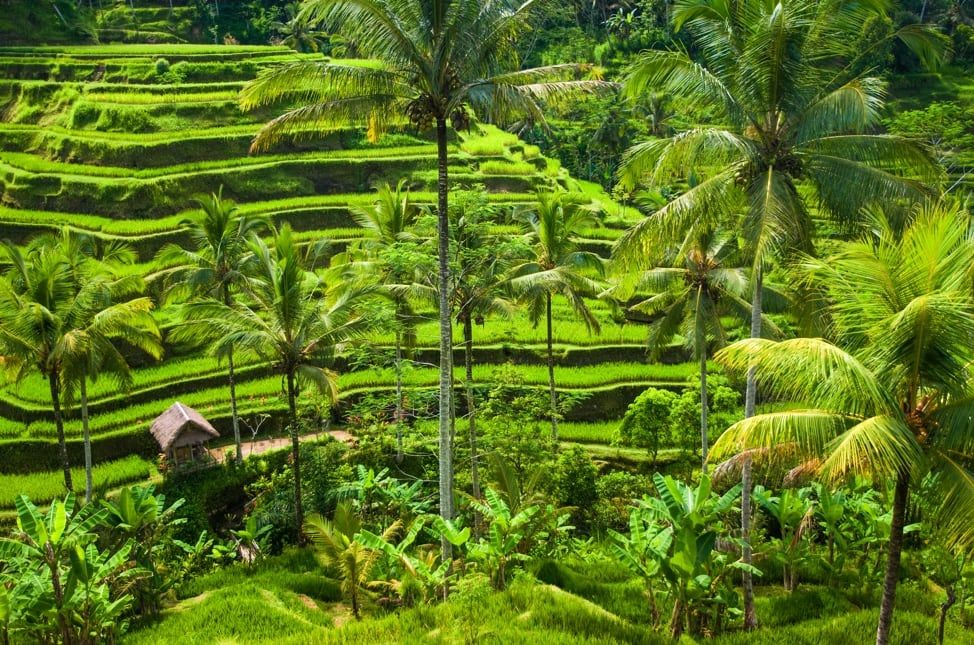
(646, 423)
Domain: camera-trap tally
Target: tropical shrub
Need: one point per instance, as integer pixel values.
(676, 535)
(58, 584)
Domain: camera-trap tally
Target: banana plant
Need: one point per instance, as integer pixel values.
(98, 613)
(697, 576)
(642, 552)
(404, 569)
(500, 546)
(830, 511)
(794, 514)
(139, 514)
(39, 549)
(194, 557)
(251, 539)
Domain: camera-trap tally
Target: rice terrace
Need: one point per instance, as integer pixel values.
(483, 321)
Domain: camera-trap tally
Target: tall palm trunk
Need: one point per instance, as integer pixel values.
(700, 346)
(59, 424)
(233, 407)
(446, 337)
(87, 436)
(551, 373)
(235, 419)
(750, 404)
(295, 456)
(399, 400)
(704, 410)
(471, 405)
(900, 497)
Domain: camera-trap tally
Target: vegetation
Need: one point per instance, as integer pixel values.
(739, 236)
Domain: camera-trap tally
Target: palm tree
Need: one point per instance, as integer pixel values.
(557, 267)
(105, 313)
(436, 61)
(480, 289)
(384, 259)
(38, 298)
(337, 542)
(300, 36)
(216, 269)
(296, 323)
(693, 289)
(892, 397)
(791, 85)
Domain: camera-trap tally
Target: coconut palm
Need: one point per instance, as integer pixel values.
(388, 257)
(300, 36)
(338, 544)
(798, 100)
(215, 269)
(891, 397)
(692, 289)
(557, 267)
(436, 62)
(39, 302)
(480, 289)
(105, 318)
(295, 322)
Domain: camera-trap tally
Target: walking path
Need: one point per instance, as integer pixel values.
(266, 445)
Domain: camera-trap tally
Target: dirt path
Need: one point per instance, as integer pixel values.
(266, 445)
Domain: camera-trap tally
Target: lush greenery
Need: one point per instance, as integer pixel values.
(520, 322)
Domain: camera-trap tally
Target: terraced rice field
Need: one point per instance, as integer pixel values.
(110, 141)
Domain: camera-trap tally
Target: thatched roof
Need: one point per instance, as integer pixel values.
(181, 421)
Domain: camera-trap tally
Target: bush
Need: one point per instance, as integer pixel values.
(616, 493)
(162, 66)
(574, 484)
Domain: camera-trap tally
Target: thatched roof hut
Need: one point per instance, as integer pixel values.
(182, 427)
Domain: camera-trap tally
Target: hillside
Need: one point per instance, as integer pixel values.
(116, 142)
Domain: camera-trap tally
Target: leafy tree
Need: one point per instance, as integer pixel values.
(790, 84)
(437, 61)
(216, 269)
(557, 266)
(296, 323)
(647, 421)
(891, 398)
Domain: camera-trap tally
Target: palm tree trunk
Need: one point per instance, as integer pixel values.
(399, 399)
(900, 497)
(471, 408)
(700, 346)
(750, 404)
(233, 407)
(704, 411)
(59, 424)
(446, 337)
(551, 374)
(295, 457)
(87, 436)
